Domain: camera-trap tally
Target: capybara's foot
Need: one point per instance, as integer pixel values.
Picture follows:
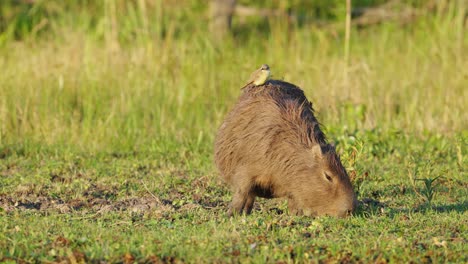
(241, 203)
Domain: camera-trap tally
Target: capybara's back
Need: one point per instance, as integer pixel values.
(270, 145)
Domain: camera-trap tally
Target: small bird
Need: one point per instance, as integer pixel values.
(259, 76)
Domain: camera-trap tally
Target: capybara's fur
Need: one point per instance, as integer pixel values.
(271, 145)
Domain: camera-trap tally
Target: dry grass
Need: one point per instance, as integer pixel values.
(81, 91)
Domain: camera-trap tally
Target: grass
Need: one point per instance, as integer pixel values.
(106, 140)
(151, 206)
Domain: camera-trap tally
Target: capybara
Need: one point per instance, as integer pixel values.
(271, 145)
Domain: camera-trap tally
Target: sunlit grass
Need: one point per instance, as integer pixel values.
(117, 112)
(82, 91)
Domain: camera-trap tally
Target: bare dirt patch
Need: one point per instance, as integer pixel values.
(95, 199)
(101, 199)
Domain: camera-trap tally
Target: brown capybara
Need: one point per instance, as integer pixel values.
(270, 145)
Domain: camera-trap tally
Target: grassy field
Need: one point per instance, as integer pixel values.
(107, 129)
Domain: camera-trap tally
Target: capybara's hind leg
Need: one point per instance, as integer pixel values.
(242, 196)
(249, 203)
(241, 203)
(238, 203)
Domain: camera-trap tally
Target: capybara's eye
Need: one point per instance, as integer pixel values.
(328, 177)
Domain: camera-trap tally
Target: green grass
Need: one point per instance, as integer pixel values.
(106, 140)
(170, 205)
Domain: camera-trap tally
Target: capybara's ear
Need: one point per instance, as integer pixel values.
(317, 151)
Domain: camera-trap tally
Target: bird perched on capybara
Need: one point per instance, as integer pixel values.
(271, 145)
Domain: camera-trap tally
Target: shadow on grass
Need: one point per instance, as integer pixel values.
(370, 207)
(460, 207)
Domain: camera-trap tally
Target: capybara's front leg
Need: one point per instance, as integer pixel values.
(292, 207)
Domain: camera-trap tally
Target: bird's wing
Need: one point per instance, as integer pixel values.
(252, 78)
(253, 75)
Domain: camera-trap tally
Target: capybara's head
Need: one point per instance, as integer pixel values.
(327, 190)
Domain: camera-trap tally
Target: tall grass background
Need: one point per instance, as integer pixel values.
(145, 75)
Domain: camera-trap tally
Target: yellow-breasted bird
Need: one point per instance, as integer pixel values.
(259, 76)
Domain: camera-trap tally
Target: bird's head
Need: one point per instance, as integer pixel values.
(265, 67)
